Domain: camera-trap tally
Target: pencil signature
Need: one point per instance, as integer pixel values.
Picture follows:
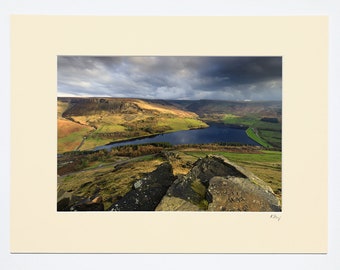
(276, 217)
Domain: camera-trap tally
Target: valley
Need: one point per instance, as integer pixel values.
(85, 123)
(116, 178)
(107, 120)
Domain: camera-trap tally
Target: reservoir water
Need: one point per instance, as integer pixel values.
(215, 133)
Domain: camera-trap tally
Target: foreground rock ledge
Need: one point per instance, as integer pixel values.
(213, 184)
(216, 184)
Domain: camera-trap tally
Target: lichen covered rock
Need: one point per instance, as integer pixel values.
(240, 194)
(216, 184)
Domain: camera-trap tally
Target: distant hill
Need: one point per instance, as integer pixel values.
(205, 108)
(90, 106)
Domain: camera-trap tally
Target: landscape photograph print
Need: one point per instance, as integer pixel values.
(169, 133)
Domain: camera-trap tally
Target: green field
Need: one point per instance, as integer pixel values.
(251, 134)
(71, 141)
(110, 128)
(176, 123)
(240, 120)
(265, 133)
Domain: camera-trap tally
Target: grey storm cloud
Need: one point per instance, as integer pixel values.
(171, 77)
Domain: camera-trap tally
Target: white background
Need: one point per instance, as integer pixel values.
(169, 8)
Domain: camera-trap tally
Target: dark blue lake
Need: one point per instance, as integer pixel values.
(215, 133)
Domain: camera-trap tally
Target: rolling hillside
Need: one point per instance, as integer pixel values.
(84, 123)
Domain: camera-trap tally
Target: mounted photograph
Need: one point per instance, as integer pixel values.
(169, 133)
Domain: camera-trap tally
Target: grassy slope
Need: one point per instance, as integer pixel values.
(70, 134)
(110, 182)
(141, 125)
(72, 140)
(251, 134)
(149, 119)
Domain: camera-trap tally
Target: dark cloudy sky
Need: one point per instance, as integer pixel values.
(167, 77)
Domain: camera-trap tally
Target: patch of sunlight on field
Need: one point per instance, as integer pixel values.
(181, 123)
(108, 128)
(62, 107)
(67, 127)
(230, 116)
(70, 135)
(70, 142)
(92, 142)
(164, 110)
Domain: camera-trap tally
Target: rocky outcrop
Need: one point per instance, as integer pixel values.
(240, 194)
(213, 184)
(176, 204)
(88, 106)
(148, 191)
(216, 184)
(94, 205)
(70, 202)
(66, 200)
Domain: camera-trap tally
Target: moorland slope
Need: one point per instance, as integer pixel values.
(84, 123)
